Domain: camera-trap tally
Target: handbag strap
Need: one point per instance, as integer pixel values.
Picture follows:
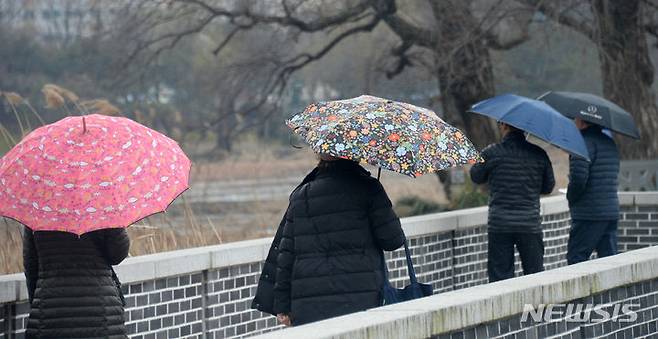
(385, 270)
(410, 266)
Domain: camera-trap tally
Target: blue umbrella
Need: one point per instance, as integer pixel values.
(537, 118)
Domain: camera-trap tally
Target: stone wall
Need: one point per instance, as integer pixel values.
(638, 222)
(496, 310)
(208, 290)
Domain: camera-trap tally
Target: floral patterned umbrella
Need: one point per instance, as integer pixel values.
(393, 135)
(87, 173)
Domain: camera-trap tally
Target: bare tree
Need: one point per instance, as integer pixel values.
(620, 29)
(457, 35)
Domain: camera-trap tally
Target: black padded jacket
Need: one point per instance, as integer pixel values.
(329, 255)
(592, 191)
(70, 286)
(517, 173)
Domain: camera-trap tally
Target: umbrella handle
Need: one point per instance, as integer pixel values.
(379, 173)
(84, 125)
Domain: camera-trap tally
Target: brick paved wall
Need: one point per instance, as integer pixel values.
(587, 300)
(209, 290)
(638, 223)
(579, 319)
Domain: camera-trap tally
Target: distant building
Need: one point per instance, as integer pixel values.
(58, 20)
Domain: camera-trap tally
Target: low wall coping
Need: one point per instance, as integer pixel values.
(644, 198)
(449, 311)
(160, 265)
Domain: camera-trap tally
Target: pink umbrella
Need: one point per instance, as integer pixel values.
(82, 174)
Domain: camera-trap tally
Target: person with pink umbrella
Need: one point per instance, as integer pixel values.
(76, 184)
(72, 289)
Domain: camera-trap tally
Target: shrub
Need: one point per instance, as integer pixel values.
(469, 197)
(413, 205)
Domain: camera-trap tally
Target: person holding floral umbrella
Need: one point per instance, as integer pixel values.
(326, 258)
(75, 184)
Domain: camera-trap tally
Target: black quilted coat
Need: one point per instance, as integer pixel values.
(70, 283)
(517, 173)
(264, 299)
(329, 252)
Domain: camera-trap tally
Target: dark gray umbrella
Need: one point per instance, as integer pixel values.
(594, 109)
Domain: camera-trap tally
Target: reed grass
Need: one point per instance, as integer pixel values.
(252, 160)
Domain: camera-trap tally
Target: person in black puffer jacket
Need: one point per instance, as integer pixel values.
(330, 248)
(517, 173)
(70, 283)
(592, 196)
(264, 298)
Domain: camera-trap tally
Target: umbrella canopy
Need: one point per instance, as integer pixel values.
(87, 173)
(537, 118)
(594, 109)
(392, 135)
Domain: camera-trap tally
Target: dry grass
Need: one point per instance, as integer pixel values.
(255, 160)
(153, 235)
(187, 225)
(11, 255)
(99, 106)
(53, 98)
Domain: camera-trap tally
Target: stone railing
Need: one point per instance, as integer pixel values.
(206, 292)
(613, 297)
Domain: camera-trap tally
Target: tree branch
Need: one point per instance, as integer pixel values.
(403, 60)
(548, 8)
(288, 19)
(404, 29)
(228, 38)
(652, 26)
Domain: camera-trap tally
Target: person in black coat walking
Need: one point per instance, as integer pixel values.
(329, 246)
(517, 173)
(71, 285)
(592, 196)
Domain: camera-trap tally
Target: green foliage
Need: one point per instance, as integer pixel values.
(469, 197)
(413, 205)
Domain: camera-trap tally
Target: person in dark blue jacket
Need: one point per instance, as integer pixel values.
(517, 173)
(592, 196)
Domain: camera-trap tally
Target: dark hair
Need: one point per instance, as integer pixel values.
(328, 164)
(511, 128)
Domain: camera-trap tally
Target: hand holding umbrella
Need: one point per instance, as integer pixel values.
(536, 118)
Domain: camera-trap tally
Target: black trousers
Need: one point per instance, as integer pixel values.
(500, 265)
(585, 236)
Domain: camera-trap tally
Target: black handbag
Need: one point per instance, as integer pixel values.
(415, 290)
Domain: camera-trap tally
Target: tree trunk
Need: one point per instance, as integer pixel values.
(627, 70)
(225, 129)
(465, 76)
(464, 82)
(464, 71)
